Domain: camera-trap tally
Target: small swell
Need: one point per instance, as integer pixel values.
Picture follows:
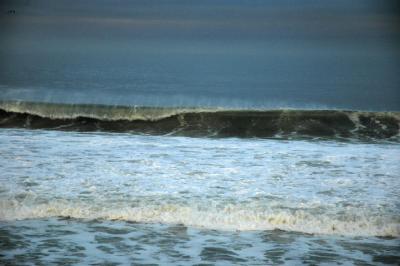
(199, 122)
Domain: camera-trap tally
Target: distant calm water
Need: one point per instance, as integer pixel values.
(239, 74)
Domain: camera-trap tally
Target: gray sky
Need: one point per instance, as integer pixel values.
(339, 20)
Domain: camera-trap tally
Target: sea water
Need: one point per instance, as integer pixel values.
(73, 197)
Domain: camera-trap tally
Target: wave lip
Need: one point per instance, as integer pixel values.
(202, 122)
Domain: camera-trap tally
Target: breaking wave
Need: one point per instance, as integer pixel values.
(211, 122)
(231, 217)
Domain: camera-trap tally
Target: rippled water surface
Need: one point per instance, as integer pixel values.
(90, 198)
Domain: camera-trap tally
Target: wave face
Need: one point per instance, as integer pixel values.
(202, 122)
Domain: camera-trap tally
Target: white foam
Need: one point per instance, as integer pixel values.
(239, 218)
(227, 184)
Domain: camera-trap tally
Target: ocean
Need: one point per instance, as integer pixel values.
(92, 184)
(205, 132)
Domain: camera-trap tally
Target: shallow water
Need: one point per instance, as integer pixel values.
(92, 197)
(43, 241)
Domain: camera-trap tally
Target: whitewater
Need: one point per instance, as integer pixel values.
(89, 197)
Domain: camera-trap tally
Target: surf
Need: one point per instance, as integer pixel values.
(202, 122)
